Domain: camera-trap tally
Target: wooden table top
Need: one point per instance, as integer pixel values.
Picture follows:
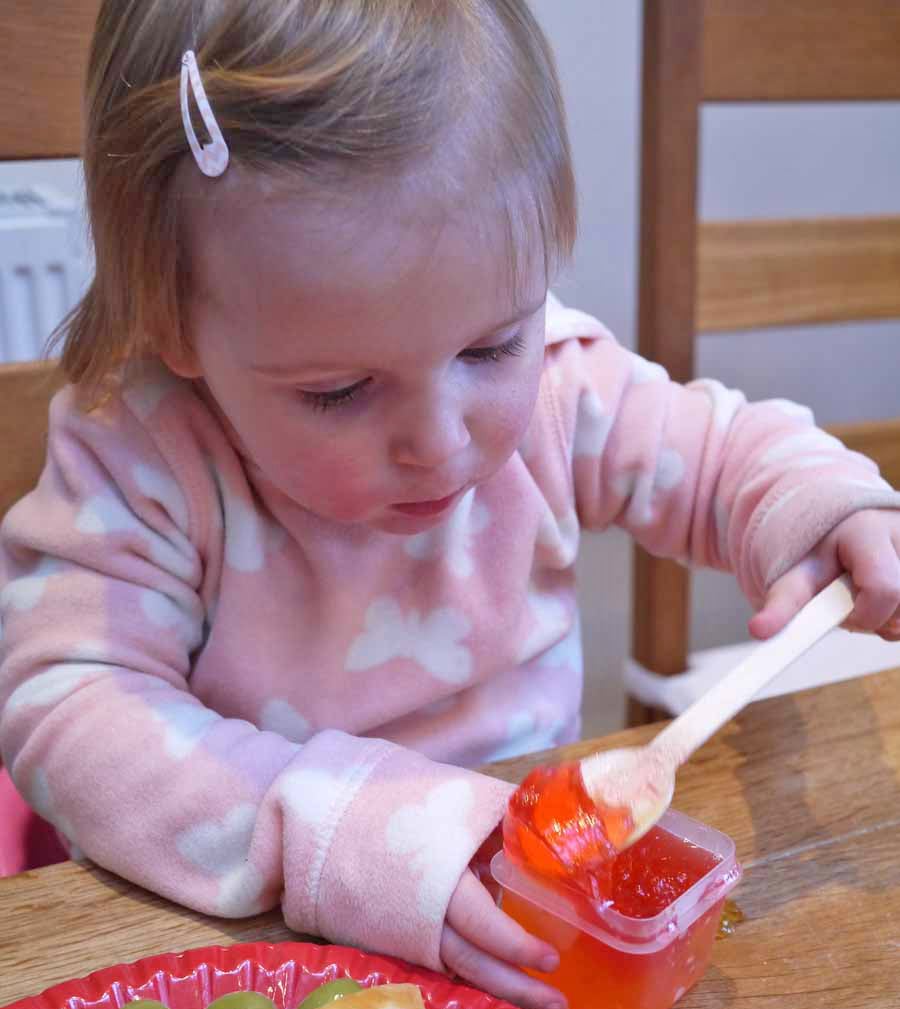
(808, 785)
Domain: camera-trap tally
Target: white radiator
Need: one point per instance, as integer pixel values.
(44, 267)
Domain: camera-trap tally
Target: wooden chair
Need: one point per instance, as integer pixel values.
(25, 391)
(703, 276)
(26, 840)
(41, 80)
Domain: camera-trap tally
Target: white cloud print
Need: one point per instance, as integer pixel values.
(432, 640)
(221, 849)
(431, 835)
(25, 592)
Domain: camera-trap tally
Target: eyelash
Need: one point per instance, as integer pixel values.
(512, 348)
(323, 401)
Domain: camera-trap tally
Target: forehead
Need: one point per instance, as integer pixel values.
(356, 241)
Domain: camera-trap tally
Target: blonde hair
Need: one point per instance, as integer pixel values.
(331, 90)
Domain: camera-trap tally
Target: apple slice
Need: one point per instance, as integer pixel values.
(386, 996)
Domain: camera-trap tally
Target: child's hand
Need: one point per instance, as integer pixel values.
(867, 545)
(485, 947)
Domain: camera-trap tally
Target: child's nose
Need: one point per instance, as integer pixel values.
(431, 434)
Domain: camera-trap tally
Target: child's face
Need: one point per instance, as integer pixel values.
(368, 355)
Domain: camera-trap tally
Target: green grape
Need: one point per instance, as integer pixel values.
(242, 1000)
(329, 992)
(147, 1003)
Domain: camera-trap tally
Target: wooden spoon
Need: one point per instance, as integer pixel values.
(641, 779)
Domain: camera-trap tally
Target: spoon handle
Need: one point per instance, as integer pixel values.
(723, 701)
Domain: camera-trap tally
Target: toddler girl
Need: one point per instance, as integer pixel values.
(302, 552)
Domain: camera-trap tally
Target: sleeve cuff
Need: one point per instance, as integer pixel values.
(398, 850)
(794, 521)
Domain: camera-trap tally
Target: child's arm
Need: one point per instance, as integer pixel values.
(107, 566)
(696, 473)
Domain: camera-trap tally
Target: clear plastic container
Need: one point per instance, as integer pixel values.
(608, 959)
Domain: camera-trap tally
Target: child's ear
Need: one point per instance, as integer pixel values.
(183, 361)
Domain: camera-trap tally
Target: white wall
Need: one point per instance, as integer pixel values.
(843, 164)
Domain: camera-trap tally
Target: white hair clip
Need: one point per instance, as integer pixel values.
(212, 159)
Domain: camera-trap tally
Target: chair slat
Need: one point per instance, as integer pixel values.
(666, 310)
(42, 76)
(804, 50)
(775, 273)
(669, 135)
(25, 393)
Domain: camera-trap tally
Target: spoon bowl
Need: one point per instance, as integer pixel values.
(637, 779)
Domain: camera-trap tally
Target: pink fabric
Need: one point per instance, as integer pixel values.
(26, 841)
(237, 704)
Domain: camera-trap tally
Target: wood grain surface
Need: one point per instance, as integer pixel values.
(879, 440)
(45, 49)
(808, 785)
(666, 325)
(802, 50)
(25, 392)
(759, 273)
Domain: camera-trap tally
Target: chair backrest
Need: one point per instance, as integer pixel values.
(42, 81)
(699, 276)
(42, 76)
(25, 391)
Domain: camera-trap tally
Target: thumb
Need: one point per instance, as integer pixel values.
(789, 594)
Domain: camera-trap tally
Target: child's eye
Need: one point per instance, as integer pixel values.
(336, 397)
(512, 348)
(340, 397)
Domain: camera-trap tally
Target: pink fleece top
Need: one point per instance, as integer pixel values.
(236, 704)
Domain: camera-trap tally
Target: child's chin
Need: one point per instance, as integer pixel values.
(407, 525)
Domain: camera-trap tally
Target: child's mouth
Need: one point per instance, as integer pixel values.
(426, 508)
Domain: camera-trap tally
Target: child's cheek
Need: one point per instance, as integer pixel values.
(333, 486)
(511, 414)
(346, 503)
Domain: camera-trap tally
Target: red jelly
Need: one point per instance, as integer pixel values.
(553, 827)
(634, 929)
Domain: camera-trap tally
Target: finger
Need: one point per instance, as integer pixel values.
(875, 571)
(890, 631)
(473, 914)
(492, 975)
(790, 593)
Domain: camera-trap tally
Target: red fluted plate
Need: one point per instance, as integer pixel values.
(286, 972)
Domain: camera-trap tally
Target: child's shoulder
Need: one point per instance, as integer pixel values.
(585, 372)
(570, 336)
(149, 444)
(581, 355)
(564, 324)
(140, 393)
(146, 417)
(148, 388)
(136, 404)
